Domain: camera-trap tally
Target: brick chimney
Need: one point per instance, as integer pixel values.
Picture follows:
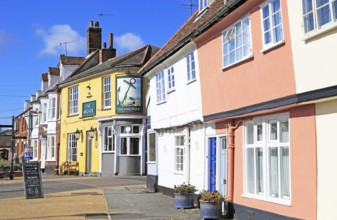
(107, 53)
(94, 37)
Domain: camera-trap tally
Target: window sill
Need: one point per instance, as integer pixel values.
(162, 102)
(191, 81)
(238, 62)
(106, 108)
(73, 115)
(274, 46)
(171, 90)
(151, 162)
(276, 201)
(319, 32)
(129, 155)
(108, 152)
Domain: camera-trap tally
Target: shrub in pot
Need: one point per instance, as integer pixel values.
(184, 195)
(210, 204)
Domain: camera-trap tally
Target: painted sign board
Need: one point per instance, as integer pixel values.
(129, 94)
(32, 180)
(89, 109)
(28, 153)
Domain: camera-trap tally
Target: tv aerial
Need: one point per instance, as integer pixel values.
(65, 45)
(190, 5)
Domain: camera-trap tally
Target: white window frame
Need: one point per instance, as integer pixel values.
(35, 149)
(109, 137)
(179, 164)
(72, 147)
(73, 100)
(51, 152)
(44, 112)
(203, 4)
(107, 92)
(272, 27)
(266, 144)
(245, 49)
(170, 79)
(160, 87)
(190, 65)
(52, 108)
(314, 17)
(128, 136)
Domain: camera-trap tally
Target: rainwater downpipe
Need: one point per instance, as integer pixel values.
(231, 127)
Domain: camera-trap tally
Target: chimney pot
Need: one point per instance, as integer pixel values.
(91, 24)
(110, 40)
(104, 45)
(96, 24)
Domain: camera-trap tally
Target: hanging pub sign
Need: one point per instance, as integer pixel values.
(28, 153)
(89, 109)
(128, 94)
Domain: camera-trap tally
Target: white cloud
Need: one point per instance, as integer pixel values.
(129, 41)
(58, 34)
(7, 42)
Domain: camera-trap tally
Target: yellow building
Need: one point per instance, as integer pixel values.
(103, 118)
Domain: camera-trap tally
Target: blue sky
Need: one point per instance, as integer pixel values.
(31, 32)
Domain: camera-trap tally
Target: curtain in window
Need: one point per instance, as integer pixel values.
(259, 170)
(273, 172)
(285, 181)
(250, 171)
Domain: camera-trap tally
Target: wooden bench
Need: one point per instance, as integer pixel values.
(69, 167)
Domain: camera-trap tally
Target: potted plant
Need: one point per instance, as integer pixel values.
(184, 195)
(210, 204)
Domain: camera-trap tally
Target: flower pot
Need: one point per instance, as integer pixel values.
(184, 201)
(210, 209)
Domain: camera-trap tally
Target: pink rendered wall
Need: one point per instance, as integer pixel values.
(303, 168)
(264, 77)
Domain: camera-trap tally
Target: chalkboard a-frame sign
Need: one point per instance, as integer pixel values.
(32, 180)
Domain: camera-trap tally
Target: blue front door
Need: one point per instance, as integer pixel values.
(212, 164)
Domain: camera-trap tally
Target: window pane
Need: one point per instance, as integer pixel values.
(123, 146)
(334, 5)
(285, 181)
(250, 171)
(259, 170)
(276, 5)
(284, 131)
(307, 6)
(273, 131)
(273, 172)
(135, 129)
(152, 147)
(259, 132)
(250, 134)
(308, 22)
(134, 146)
(323, 15)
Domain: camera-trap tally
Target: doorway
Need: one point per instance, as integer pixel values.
(88, 154)
(212, 164)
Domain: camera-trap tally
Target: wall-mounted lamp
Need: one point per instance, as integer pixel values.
(92, 132)
(77, 134)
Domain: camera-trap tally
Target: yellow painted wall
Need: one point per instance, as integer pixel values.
(69, 124)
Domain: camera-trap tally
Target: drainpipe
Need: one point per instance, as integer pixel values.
(230, 167)
(188, 175)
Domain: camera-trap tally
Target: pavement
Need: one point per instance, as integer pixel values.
(113, 202)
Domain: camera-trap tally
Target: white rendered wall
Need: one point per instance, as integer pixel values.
(326, 119)
(167, 176)
(183, 105)
(66, 70)
(314, 59)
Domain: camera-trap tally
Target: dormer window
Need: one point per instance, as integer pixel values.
(202, 5)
